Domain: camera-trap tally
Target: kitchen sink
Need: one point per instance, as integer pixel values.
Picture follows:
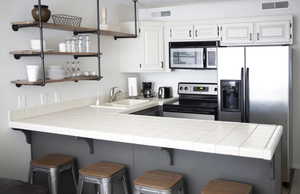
(128, 102)
(122, 104)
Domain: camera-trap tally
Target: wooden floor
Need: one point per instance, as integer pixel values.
(295, 187)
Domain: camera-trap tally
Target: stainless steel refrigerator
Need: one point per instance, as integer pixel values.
(255, 85)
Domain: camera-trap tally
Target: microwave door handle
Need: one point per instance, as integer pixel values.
(242, 92)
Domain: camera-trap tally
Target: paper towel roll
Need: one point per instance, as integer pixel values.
(132, 87)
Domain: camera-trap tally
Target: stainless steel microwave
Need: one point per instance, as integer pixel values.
(193, 55)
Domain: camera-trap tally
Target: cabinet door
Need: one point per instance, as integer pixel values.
(181, 32)
(131, 53)
(206, 32)
(153, 48)
(237, 34)
(273, 32)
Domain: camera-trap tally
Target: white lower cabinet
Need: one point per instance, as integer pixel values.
(145, 53)
(237, 33)
(273, 32)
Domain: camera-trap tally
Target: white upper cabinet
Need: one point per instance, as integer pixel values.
(181, 32)
(237, 34)
(273, 32)
(153, 48)
(145, 53)
(206, 32)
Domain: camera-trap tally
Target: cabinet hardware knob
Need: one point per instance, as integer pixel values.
(196, 33)
(162, 64)
(190, 33)
(258, 36)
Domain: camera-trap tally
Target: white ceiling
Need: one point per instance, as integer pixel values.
(163, 3)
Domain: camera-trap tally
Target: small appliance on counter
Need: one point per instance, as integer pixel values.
(147, 90)
(165, 92)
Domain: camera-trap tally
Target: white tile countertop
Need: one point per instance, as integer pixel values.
(78, 119)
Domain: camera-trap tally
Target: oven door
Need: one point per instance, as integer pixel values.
(211, 58)
(187, 58)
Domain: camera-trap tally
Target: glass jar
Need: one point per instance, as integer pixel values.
(68, 45)
(74, 44)
(80, 44)
(86, 43)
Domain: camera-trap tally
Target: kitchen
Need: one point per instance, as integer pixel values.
(111, 73)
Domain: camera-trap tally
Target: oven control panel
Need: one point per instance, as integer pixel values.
(198, 88)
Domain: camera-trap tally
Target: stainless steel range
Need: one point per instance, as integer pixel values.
(196, 101)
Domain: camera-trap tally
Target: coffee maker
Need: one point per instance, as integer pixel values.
(147, 90)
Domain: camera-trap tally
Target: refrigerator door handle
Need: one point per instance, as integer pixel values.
(247, 98)
(242, 100)
(204, 58)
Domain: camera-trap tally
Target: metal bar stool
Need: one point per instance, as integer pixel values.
(228, 187)
(103, 175)
(53, 165)
(159, 182)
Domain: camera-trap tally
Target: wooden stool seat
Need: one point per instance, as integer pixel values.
(52, 161)
(102, 169)
(158, 179)
(226, 187)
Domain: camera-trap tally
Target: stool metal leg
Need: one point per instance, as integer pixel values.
(54, 177)
(107, 187)
(80, 185)
(74, 175)
(136, 191)
(97, 188)
(124, 183)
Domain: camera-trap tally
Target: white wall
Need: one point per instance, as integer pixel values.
(14, 152)
(227, 9)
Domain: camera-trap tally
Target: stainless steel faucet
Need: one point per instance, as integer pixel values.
(114, 91)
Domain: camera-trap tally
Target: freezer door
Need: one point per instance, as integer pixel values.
(267, 91)
(231, 63)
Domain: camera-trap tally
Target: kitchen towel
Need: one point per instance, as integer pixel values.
(132, 87)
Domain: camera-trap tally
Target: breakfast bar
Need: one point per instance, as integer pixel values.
(201, 150)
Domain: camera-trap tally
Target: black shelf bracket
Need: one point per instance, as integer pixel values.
(135, 24)
(170, 152)
(19, 56)
(85, 32)
(28, 135)
(90, 143)
(16, 27)
(82, 56)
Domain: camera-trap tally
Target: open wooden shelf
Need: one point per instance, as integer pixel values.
(20, 83)
(77, 30)
(30, 53)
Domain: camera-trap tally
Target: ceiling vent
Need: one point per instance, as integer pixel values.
(161, 14)
(275, 5)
